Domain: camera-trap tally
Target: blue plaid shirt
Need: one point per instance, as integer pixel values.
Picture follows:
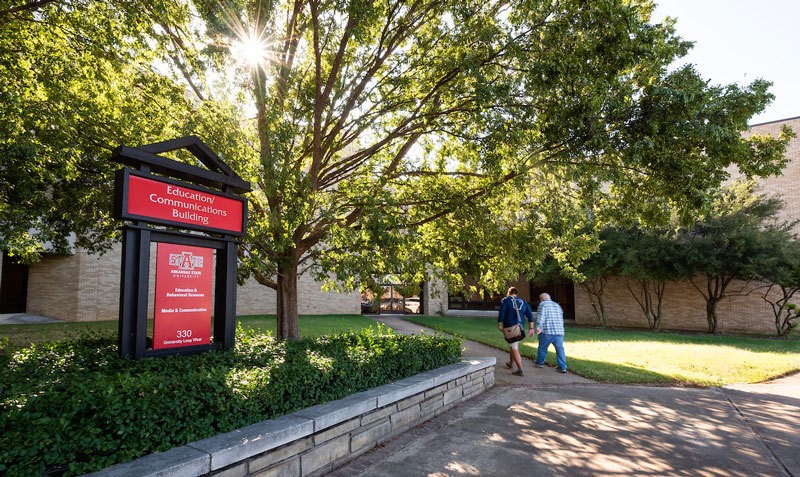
(550, 318)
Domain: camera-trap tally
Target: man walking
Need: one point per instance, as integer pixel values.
(513, 310)
(550, 326)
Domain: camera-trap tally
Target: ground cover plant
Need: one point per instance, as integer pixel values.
(73, 406)
(644, 357)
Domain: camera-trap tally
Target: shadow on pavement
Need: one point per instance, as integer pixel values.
(547, 423)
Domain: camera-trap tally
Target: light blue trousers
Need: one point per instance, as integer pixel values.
(558, 341)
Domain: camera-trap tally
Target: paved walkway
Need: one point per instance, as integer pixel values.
(552, 424)
(24, 318)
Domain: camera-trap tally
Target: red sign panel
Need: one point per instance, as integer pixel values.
(149, 198)
(183, 296)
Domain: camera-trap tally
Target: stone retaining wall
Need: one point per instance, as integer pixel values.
(316, 440)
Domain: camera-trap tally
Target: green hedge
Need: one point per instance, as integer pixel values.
(74, 407)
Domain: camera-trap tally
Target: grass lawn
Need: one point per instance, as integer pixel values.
(316, 325)
(24, 335)
(629, 357)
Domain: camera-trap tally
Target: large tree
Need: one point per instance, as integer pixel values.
(396, 136)
(436, 136)
(73, 81)
(77, 79)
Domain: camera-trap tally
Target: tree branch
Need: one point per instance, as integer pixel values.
(30, 6)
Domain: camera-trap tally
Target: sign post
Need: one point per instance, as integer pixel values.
(194, 306)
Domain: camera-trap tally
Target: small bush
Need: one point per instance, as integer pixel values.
(73, 406)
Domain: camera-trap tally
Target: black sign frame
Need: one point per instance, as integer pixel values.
(138, 236)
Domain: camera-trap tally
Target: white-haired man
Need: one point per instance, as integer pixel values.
(550, 326)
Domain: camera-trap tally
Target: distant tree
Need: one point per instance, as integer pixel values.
(738, 239)
(782, 280)
(408, 290)
(649, 262)
(595, 271)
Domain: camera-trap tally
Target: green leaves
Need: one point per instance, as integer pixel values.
(74, 407)
(75, 82)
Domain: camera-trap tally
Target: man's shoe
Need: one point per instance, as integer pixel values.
(539, 365)
(518, 373)
(562, 370)
(508, 364)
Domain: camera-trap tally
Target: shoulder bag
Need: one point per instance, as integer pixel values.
(514, 333)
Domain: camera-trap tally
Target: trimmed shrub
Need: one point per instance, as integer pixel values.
(73, 406)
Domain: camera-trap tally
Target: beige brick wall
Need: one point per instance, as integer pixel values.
(785, 185)
(254, 298)
(98, 295)
(53, 286)
(78, 287)
(684, 308)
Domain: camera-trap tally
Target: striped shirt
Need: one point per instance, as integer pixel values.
(550, 318)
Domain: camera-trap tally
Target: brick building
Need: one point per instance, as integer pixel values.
(84, 287)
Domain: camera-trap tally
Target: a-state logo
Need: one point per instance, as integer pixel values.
(185, 260)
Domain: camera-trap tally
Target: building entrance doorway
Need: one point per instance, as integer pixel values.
(395, 298)
(560, 291)
(13, 286)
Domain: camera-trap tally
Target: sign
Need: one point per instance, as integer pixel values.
(161, 195)
(175, 203)
(183, 295)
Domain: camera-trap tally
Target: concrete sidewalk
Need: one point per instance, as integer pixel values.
(547, 423)
(24, 319)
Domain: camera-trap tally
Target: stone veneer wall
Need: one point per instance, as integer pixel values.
(318, 439)
(434, 298)
(84, 287)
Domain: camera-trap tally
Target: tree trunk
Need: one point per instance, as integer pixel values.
(595, 288)
(642, 297)
(288, 323)
(785, 313)
(711, 314)
(660, 288)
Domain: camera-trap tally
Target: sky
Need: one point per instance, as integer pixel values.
(738, 41)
